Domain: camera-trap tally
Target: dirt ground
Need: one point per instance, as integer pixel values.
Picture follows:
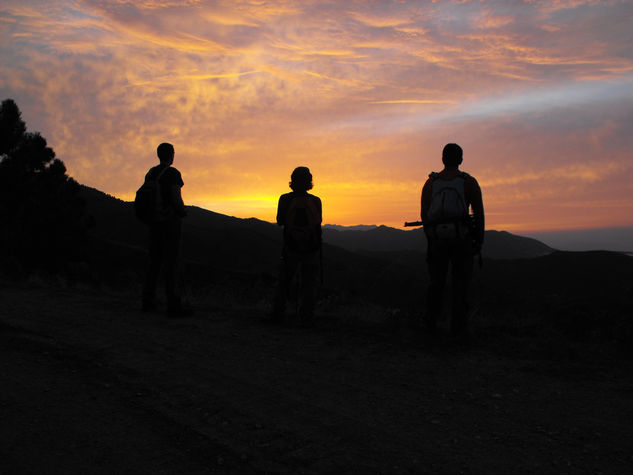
(89, 384)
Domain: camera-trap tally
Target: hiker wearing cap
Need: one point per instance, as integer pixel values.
(300, 214)
(453, 237)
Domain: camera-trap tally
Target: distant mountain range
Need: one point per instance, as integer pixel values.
(358, 227)
(617, 238)
(383, 264)
(240, 255)
(232, 239)
(497, 244)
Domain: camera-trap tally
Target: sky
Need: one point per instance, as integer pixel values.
(539, 94)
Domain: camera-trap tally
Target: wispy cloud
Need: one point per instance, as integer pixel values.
(415, 101)
(365, 93)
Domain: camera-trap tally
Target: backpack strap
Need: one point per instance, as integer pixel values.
(435, 175)
(162, 172)
(158, 177)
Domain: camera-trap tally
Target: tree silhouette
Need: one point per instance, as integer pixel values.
(41, 213)
(12, 128)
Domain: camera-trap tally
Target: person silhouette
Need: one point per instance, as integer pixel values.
(453, 238)
(300, 214)
(165, 230)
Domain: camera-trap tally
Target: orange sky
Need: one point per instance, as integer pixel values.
(538, 93)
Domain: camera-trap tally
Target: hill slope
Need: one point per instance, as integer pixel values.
(497, 244)
(226, 259)
(116, 221)
(233, 253)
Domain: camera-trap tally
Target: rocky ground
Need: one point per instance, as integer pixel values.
(92, 385)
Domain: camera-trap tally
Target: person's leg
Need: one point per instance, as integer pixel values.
(462, 262)
(155, 258)
(288, 264)
(437, 261)
(173, 230)
(309, 272)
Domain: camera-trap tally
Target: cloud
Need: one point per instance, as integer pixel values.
(364, 93)
(415, 101)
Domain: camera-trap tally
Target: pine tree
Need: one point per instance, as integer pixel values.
(41, 214)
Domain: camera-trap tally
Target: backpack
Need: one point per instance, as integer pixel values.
(148, 203)
(448, 212)
(302, 225)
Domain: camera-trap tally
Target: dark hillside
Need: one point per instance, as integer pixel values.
(381, 238)
(240, 254)
(503, 245)
(497, 244)
(225, 241)
(572, 294)
(584, 295)
(210, 238)
(597, 276)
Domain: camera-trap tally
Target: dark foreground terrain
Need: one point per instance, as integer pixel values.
(91, 385)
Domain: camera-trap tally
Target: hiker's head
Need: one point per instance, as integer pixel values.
(165, 152)
(301, 179)
(452, 155)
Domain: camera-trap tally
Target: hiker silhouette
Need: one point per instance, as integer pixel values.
(300, 214)
(159, 205)
(453, 237)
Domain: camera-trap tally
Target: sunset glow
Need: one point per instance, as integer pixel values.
(538, 93)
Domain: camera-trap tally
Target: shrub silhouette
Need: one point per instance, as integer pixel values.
(42, 215)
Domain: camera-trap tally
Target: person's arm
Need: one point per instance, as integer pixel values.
(281, 211)
(176, 199)
(173, 180)
(425, 200)
(319, 209)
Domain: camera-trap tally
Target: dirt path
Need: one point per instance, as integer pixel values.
(92, 386)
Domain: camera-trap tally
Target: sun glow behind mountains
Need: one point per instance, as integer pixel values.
(538, 93)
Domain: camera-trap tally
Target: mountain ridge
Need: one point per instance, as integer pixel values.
(382, 238)
(363, 238)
